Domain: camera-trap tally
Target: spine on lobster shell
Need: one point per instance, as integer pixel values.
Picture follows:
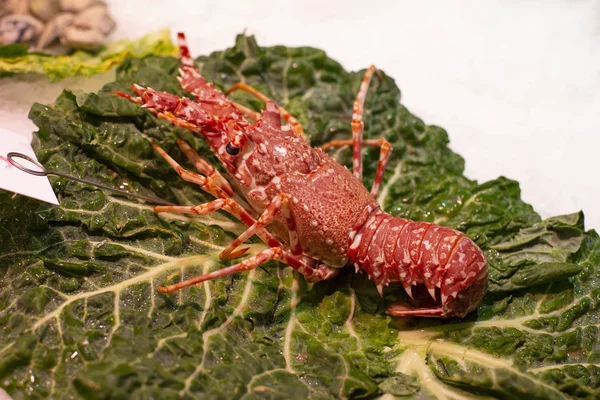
(441, 260)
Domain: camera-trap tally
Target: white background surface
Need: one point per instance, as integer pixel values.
(516, 82)
(18, 181)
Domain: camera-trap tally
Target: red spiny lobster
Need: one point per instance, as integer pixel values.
(320, 216)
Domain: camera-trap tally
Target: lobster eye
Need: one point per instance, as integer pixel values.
(231, 149)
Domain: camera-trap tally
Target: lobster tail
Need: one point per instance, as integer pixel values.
(442, 270)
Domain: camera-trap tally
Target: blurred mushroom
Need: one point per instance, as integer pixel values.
(76, 5)
(53, 29)
(44, 10)
(16, 6)
(79, 24)
(18, 28)
(97, 18)
(82, 37)
(5, 8)
(88, 29)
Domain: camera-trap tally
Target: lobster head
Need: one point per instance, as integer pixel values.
(252, 153)
(255, 154)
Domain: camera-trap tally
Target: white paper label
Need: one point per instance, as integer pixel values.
(15, 180)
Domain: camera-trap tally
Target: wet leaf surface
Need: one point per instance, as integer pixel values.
(80, 315)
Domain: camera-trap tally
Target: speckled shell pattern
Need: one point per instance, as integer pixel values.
(326, 197)
(448, 263)
(330, 200)
(336, 219)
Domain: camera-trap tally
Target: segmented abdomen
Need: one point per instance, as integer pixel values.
(391, 249)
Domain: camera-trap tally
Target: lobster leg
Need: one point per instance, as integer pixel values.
(357, 121)
(274, 253)
(202, 209)
(209, 186)
(289, 118)
(279, 203)
(405, 310)
(384, 156)
(325, 272)
(205, 168)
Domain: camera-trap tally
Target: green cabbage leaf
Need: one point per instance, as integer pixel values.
(80, 316)
(15, 58)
